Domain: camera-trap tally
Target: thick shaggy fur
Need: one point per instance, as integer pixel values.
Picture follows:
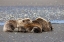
(38, 25)
(21, 24)
(27, 25)
(46, 25)
(30, 27)
(10, 25)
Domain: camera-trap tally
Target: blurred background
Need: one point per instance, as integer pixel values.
(31, 2)
(52, 10)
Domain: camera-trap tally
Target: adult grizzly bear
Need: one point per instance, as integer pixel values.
(46, 25)
(38, 25)
(32, 26)
(10, 25)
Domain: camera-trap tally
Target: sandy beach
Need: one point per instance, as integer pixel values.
(57, 35)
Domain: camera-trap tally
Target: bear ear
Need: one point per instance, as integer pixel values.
(28, 19)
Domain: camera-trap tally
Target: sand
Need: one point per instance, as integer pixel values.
(57, 35)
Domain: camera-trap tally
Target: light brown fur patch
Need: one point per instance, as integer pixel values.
(10, 25)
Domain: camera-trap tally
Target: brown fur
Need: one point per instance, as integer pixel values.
(40, 23)
(10, 25)
(30, 26)
(21, 24)
(46, 25)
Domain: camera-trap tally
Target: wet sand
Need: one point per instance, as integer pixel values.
(57, 35)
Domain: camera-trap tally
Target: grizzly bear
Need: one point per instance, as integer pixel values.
(10, 25)
(38, 25)
(46, 25)
(33, 26)
(21, 24)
